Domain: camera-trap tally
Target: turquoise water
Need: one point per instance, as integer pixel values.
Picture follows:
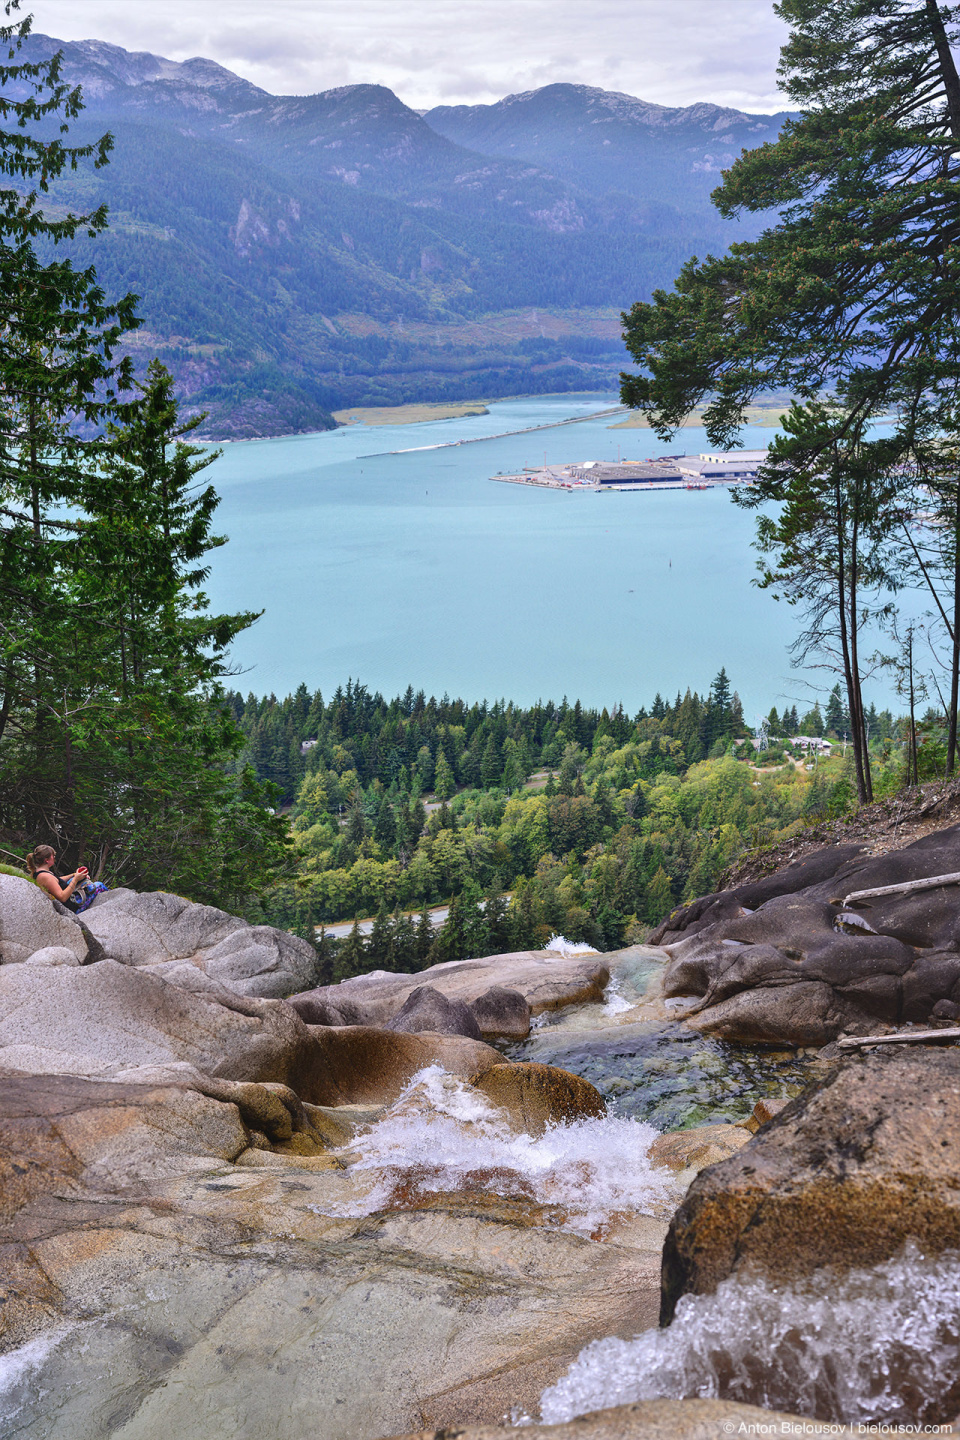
(661, 1072)
(415, 568)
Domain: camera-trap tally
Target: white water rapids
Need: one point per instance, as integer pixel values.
(880, 1345)
(443, 1136)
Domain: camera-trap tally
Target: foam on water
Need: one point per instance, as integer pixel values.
(560, 945)
(614, 1000)
(876, 1345)
(442, 1136)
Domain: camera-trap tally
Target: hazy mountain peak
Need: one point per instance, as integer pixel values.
(102, 68)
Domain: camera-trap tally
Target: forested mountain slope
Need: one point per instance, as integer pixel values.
(299, 253)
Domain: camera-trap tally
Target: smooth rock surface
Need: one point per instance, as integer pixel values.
(791, 959)
(545, 981)
(842, 1176)
(99, 1019)
(361, 1065)
(155, 927)
(164, 1290)
(28, 923)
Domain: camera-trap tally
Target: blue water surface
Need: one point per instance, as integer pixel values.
(416, 568)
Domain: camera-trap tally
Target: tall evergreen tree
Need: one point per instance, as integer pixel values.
(852, 294)
(114, 739)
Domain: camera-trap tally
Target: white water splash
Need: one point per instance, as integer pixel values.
(442, 1136)
(560, 945)
(614, 1000)
(876, 1345)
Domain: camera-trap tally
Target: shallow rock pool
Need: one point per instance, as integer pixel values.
(649, 1065)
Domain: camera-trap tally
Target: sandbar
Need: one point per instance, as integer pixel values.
(408, 414)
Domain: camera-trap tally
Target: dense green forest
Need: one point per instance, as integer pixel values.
(595, 823)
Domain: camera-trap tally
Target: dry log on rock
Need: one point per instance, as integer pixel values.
(904, 888)
(906, 1037)
(772, 962)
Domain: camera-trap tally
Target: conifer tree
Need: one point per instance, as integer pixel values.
(351, 957)
(114, 740)
(850, 298)
(443, 778)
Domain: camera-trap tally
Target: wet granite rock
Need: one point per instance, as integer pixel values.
(842, 1176)
(793, 959)
(534, 1096)
(698, 1147)
(162, 1282)
(364, 1065)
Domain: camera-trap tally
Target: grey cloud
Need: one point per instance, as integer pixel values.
(670, 51)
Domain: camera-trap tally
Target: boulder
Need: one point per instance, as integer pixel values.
(536, 1096)
(543, 980)
(102, 1019)
(842, 1176)
(649, 1420)
(698, 1147)
(155, 928)
(502, 1014)
(28, 923)
(317, 1007)
(429, 1009)
(52, 955)
(811, 870)
(800, 957)
(763, 1113)
(360, 1065)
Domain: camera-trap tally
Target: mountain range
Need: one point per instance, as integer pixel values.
(295, 254)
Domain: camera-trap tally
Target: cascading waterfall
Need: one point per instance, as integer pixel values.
(443, 1136)
(879, 1345)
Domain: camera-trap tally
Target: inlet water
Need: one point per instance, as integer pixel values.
(415, 568)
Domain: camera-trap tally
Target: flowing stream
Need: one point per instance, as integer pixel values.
(877, 1347)
(873, 1346)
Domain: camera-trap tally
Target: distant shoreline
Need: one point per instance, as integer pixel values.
(439, 410)
(413, 414)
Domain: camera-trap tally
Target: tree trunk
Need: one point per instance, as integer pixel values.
(948, 69)
(955, 637)
(913, 716)
(847, 614)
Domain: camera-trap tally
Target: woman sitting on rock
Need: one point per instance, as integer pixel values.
(76, 891)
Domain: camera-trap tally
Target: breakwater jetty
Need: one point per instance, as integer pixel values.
(503, 434)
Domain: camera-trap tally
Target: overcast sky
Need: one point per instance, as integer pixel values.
(453, 52)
